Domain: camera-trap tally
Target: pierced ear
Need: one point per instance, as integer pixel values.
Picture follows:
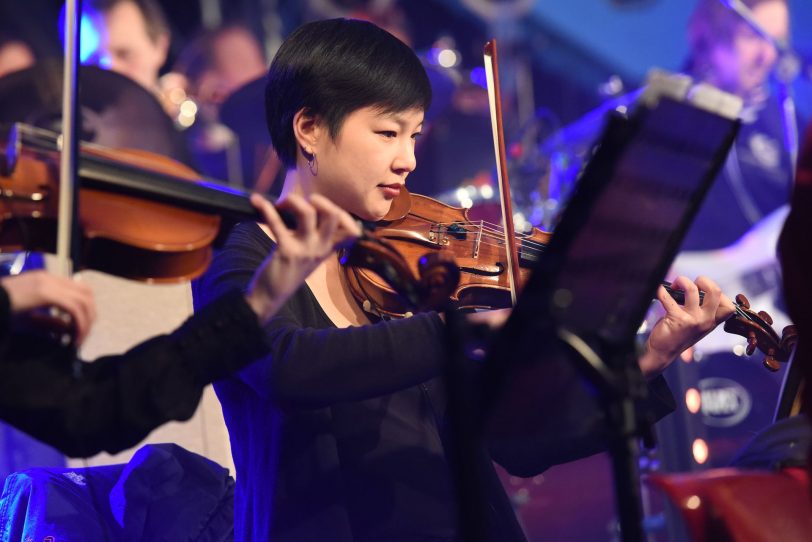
(307, 152)
(307, 129)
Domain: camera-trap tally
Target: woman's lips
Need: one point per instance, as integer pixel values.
(390, 190)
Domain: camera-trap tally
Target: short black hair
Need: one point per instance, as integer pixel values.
(334, 67)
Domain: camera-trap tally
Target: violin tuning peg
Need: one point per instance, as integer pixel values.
(789, 339)
(766, 317)
(742, 300)
(752, 343)
(789, 333)
(750, 349)
(771, 364)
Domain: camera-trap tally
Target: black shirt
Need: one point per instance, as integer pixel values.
(337, 434)
(334, 434)
(114, 402)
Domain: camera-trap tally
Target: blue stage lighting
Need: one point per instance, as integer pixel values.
(89, 39)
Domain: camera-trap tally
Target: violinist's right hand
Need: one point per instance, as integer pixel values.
(35, 289)
(320, 226)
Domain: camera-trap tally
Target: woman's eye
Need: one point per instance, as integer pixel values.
(417, 135)
(388, 133)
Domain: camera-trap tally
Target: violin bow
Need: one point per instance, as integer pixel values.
(495, 103)
(66, 241)
(67, 247)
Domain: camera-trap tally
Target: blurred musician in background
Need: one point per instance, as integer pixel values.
(757, 179)
(215, 64)
(218, 62)
(15, 54)
(725, 52)
(133, 38)
(734, 235)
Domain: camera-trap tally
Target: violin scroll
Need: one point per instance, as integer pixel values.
(430, 289)
(756, 327)
(439, 277)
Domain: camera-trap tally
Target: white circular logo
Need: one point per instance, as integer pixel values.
(766, 150)
(725, 402)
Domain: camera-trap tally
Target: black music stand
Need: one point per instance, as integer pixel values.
(577, 318)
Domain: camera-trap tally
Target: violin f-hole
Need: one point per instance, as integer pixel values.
(485, 270)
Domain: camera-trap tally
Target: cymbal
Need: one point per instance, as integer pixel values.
(115, 111)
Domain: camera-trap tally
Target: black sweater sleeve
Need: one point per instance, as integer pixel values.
(577, 428)
(115, 401)
(310, 365)
(5, 319)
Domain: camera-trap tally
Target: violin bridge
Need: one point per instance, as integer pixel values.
(478, 240)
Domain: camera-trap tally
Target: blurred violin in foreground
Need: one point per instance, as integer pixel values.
(146, 217)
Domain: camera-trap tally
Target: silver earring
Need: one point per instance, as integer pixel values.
(312, 164)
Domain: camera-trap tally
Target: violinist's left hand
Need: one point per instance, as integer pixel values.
(683, 325)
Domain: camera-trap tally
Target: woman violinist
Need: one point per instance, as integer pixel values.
(114, 402)
(337, 434)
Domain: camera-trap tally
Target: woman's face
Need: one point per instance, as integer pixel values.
(365, 167)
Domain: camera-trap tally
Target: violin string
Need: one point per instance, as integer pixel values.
(499, 244)
(484, 226)
(529, 248)
(526, 243)
(486, 240)
(494, 232)
(487, 230)
(736, 306)
(490, 230)
(490, 225)
(497, 241)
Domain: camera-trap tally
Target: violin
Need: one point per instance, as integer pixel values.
(418, 225)
(147, 217)
(141, 216)
(430, 228)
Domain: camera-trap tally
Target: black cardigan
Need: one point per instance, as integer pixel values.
(338, 434)
(114, 402)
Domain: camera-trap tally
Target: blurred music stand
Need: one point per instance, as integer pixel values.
(577, 318)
